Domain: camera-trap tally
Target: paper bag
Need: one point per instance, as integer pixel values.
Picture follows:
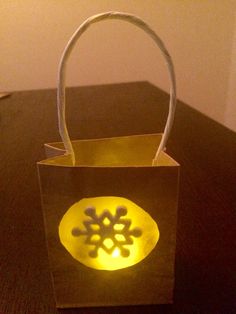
(110, 208)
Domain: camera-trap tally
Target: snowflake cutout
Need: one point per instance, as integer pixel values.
(108, 232)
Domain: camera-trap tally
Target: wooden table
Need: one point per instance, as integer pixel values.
(205, 254)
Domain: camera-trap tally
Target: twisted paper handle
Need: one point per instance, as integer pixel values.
(62, 76)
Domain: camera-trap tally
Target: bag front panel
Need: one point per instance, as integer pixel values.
(154, 189)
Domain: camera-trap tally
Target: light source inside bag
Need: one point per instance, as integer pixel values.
(108, 232)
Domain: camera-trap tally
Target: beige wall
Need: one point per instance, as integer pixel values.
(200, 36)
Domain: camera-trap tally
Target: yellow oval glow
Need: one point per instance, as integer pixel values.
(108, 232)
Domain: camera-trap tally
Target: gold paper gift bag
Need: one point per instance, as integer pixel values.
(110, 208)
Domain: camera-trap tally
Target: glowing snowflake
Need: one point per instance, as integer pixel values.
(108, 232)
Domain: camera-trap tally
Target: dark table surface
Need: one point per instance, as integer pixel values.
(205, 254)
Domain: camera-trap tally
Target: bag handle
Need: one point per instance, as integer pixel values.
(62, 76)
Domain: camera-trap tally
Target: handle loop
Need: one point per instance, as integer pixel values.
(62, 76)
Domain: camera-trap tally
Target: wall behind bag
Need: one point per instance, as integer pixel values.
(200, 36)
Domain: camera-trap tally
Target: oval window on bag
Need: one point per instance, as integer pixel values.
(108, 232)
